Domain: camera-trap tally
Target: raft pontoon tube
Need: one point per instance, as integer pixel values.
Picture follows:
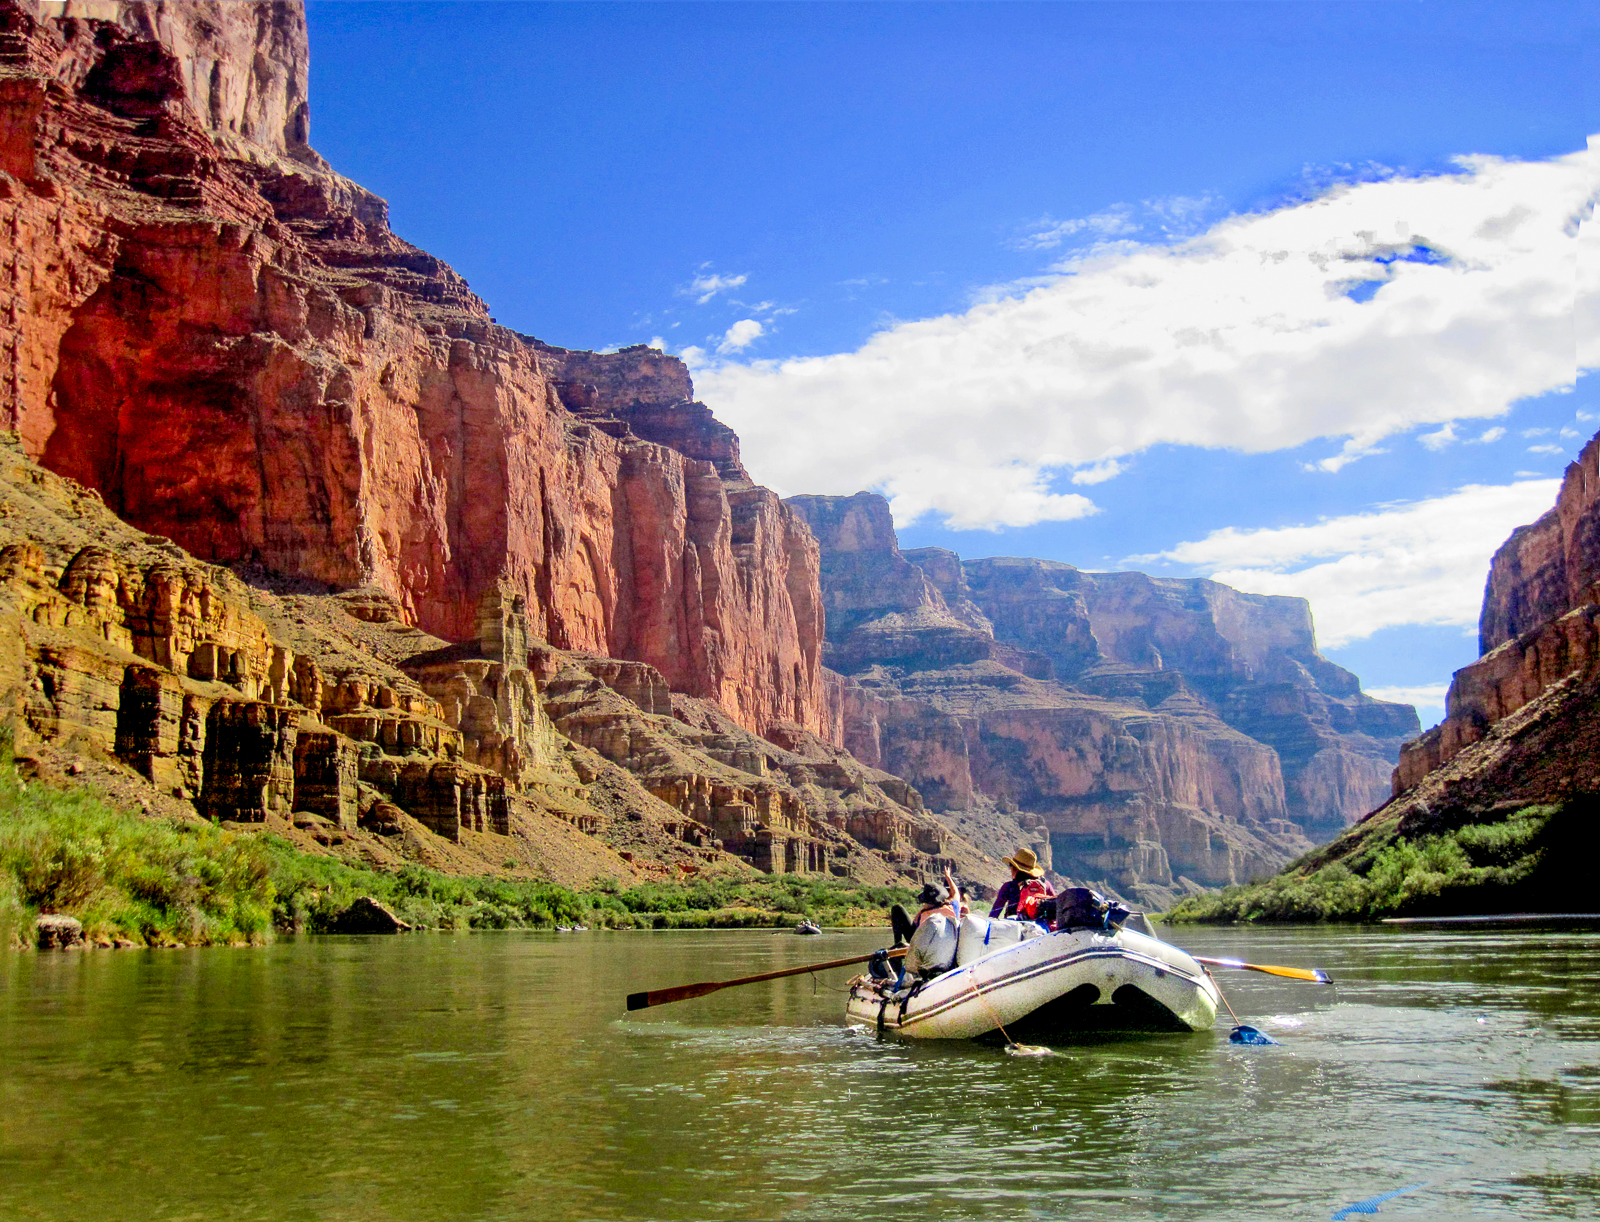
(1037, 983)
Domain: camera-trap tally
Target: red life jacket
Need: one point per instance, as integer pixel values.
(1030, 895)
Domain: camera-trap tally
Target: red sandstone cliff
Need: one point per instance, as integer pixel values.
(327, 718)
(213, 336)
(224, 338)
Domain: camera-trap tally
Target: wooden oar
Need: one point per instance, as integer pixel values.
(1316, 975)
(660, 997)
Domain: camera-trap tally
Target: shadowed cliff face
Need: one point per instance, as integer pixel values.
(225, 339)
(1164, 733)
(1550, 567)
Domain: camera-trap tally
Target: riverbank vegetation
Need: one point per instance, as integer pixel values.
(126, 878)
(1494, 866)
(312, 892)
(136, 880)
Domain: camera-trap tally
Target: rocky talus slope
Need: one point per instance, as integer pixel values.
(1156, 735)
(385, 572)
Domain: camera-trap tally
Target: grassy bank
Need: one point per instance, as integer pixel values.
(125, 877)
(154, 882)
(1516, 862)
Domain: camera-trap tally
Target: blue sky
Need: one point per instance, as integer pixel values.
(958, 186)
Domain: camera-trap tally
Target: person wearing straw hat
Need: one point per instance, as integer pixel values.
(1026, 890)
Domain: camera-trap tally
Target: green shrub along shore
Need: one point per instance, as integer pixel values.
(1525, 861)
(132, 879)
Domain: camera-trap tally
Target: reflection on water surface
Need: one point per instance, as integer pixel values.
(493, 1076)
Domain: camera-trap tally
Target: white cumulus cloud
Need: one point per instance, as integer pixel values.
(1439, 439)
(1419, 563)
(1372, 310)
(741, 335)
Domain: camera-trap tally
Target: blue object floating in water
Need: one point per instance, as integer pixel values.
(1249, 1035)
(1370, 1205)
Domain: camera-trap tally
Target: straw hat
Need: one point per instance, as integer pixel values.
(1025, 863)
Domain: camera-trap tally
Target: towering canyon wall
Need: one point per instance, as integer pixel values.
(224, 338)
(328, 718)
(1539, 628)
(1160, 734)
(297, 533)
(1545, 570)
(1250, 658)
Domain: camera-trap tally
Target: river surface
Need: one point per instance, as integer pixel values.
(495, 1076)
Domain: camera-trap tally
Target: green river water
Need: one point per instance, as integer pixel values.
(494, 1076)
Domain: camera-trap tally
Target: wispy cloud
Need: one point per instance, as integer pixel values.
(1440, 439)
(1447, 436)
(1418, 563)
(1244, 336)
(708, 284)
(1047, 233)
(1173, 216)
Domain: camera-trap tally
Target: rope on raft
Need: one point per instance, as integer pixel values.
(1242, 1033)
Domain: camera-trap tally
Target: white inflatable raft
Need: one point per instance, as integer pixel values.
(1038, 984)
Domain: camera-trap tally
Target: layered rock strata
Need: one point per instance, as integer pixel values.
(121, 645)
(1249, 659)
(1538, 628)
(1550, 567)
(1157, 735)
(226, 340)
(332, 715)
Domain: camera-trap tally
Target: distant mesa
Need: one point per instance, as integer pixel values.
(1158, 735)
